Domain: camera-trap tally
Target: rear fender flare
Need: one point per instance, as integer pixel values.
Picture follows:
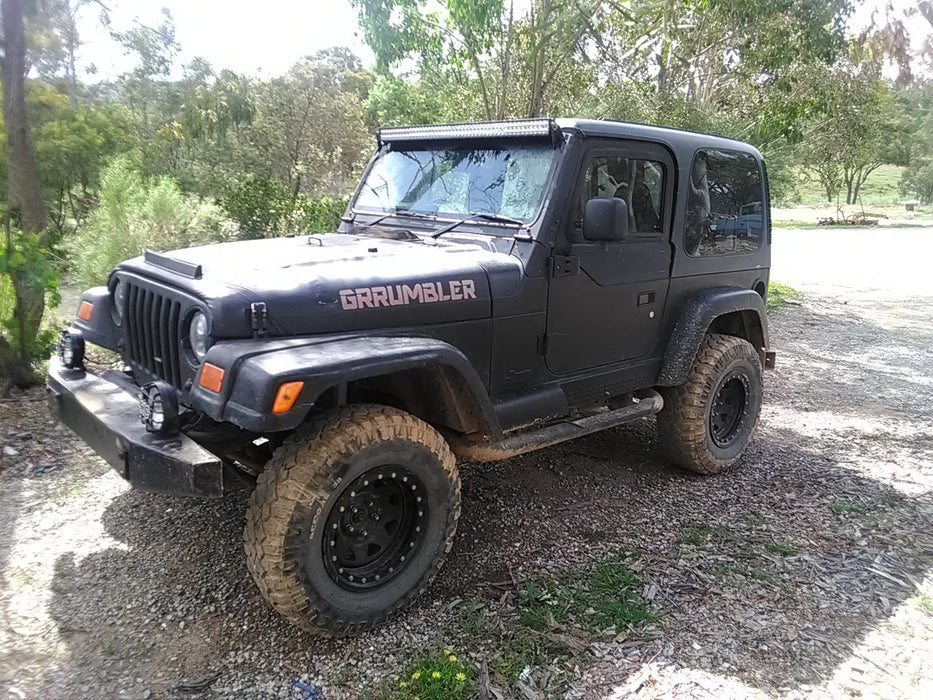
(731, 310)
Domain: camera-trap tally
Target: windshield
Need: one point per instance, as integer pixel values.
(507, 181)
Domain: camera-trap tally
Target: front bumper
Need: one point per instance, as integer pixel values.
(104, 412)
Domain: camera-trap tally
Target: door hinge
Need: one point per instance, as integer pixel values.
(564, 266)
(258, 315)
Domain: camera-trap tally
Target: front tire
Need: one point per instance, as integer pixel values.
(352, 518)
(708, 421)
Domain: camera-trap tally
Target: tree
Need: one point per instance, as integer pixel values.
(53, 41)
(25, 209)
(859, 128)
(917, 180)
(308, 132)
(512, 62)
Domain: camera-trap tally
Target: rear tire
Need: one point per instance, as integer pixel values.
(352, 518)
(707, 422)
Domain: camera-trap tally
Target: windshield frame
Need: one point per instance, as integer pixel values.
(427, 219)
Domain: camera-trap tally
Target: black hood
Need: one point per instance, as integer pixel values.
(334, 282)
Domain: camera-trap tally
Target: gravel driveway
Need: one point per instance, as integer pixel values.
(805, 572)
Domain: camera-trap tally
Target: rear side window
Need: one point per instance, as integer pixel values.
(725, 204)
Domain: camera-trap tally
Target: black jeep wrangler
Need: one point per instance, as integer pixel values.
(493, 288)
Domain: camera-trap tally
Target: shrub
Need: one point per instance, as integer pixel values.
(134, 214)
(263, 208)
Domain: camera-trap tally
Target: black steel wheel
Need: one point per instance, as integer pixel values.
(375, 526)
(729, 404)
(708, 421)
(352, 518)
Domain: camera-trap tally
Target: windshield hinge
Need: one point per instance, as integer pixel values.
(563, 266)
(258, 315)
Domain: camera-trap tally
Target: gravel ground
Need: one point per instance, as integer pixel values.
(805, 572)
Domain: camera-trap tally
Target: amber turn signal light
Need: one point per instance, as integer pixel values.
(286, 396)
(85, 310)
(212, 377)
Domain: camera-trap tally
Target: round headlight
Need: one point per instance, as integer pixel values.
(197, 335)
(119, 301)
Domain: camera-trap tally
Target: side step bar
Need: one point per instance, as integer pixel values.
(646, 403)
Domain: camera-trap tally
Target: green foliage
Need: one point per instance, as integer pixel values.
(322, 214)
(23, 257)
(258, 205)
(396, 102)
(547, 621)
(438, 675)
(857, 128)
(606, 595)
(917, 180)
(779, 295)
(262, 208)
(136, 213)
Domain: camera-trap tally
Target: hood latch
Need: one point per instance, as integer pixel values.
(258, 315)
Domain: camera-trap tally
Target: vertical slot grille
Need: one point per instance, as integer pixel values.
(152, 334)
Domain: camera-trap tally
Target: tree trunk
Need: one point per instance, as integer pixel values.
(26, 207)
(506, 65)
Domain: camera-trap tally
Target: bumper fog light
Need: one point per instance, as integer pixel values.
(71, 349)
(158, 408)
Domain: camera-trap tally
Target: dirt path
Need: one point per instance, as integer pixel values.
(805, 572)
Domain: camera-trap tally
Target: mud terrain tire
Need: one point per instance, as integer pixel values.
(707, 422)
(352, 518)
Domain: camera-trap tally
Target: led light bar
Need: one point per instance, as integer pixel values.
(437, 132)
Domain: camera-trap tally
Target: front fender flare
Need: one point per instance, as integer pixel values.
(257, 373)
(699, 313)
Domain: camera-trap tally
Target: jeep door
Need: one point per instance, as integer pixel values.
(606, 298)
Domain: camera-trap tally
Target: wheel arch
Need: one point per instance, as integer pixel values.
(437, 393)
(726, 310)
(426, 377)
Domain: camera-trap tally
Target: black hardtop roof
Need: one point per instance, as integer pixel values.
(681, 141)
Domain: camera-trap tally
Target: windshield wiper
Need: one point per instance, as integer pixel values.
(497, 217)
(399, 212)
(477, 215)
(450, 227)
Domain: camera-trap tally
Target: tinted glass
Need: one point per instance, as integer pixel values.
(508, 181)
(639, 182)
(725, 204)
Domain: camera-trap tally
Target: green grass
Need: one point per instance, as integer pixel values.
(779, 295)
(436, 675)
(699, 535)
(607, 595)
(794, 223)
(881, 188)
(924, 603)
(844, 505)
(547, 622)
(785, 549)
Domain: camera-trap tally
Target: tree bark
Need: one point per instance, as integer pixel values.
(26, 207)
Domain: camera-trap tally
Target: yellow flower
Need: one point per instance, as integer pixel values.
(452, 658)
(436, 674)
(416, 675)
(403, 684)
(447, 652)
(461, 676)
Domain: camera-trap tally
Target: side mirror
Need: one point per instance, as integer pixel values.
(605, 219)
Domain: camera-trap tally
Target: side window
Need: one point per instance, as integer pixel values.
(725, 214)
(640, 182)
